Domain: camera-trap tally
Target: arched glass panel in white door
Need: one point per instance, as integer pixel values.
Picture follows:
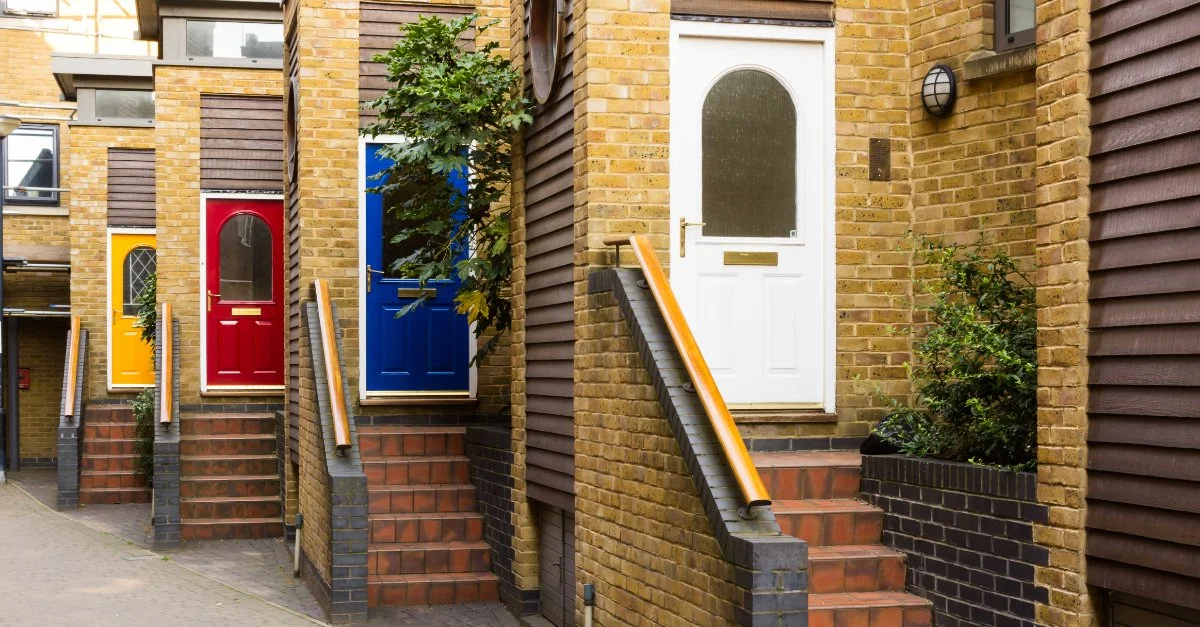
(748, 139)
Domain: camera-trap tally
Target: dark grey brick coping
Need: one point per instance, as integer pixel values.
(166, 514)
(967, 532)
(68, 444)
(347, 600)
(771, 568)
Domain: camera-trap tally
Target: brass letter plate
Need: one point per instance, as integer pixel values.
(415, 292)
(751, 259)
(247, 311)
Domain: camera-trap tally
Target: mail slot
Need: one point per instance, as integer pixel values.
(415, 292)
(246, 311)
(733, 258)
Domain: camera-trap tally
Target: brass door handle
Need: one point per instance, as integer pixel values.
(210, 297)
(683, 227)
(371, 271)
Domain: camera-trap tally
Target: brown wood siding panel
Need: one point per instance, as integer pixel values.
(1131, 611)
(131, 194)
(1144, 347)
(379, 30)
(241, 143)
(549, 292)
(292, 222)
(789, 10)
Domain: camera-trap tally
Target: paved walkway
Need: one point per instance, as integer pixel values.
(251, 573)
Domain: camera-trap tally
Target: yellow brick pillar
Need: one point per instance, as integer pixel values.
(1063, 141)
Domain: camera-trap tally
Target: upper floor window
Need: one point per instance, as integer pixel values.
(39, 8)
(31, 160)
(124, 104)
(233, 40)
(1016, 24)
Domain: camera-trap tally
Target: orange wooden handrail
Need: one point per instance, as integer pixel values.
(333, 366)
(72, 368)
(731, 442)
(166, 324)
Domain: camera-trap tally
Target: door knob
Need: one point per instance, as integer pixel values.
(683, 227)
(210, 297)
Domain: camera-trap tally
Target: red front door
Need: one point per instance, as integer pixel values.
(244, 292)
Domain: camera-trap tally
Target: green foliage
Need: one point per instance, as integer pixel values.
(458, 112)
(976, 365)
(147, 314)
(143, 443)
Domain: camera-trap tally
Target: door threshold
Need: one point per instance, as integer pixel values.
(772, 407)
(400, 399)
(244, 390)
(129, 389)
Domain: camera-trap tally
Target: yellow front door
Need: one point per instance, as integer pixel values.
(131, 361)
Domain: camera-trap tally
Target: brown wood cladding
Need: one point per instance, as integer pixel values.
(379, 30)
(241, 143)
(549, 293)
(1144, 351)
(1130, 611)
(130, 187)
(292, 225)
(785, 10)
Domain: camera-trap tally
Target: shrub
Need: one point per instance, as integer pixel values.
(975, 367)
(143, 443)
(143, 403)
(458, 111)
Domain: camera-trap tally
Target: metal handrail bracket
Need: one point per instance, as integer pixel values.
(333, 366)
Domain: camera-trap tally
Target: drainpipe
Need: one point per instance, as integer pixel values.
(296, 555)
(589, 602)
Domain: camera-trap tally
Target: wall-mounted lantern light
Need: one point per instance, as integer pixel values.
(939, 91)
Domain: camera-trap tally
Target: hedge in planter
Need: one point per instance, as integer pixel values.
(975, 371)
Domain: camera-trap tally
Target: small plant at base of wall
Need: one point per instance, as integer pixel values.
(975, 371)
(143, 403)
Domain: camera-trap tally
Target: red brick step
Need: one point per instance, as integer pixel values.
(435, 527)
(428, 557)
(238, 444)
(223, 507)
(432, 589)
(227, 424)
(812, 475)
(440, 469)
(855, 568)
(421, 498)
(830, 522)
(113, 496)
(231, 529)
(226, 465)
(869, 609)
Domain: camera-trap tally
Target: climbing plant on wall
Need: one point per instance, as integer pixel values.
(458, 111)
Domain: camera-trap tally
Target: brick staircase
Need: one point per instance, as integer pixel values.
(228, 477)
(106, 470)
(853, 578)
(426, 538)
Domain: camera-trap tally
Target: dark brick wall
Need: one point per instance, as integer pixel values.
(968, 535)
(490, 450)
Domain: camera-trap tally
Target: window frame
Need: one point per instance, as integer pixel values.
(130, 308)
(1005, 40)
(5, 11)
(55, 199)
(183, 41)
(95, 105)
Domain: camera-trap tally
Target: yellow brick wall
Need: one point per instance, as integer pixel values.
(1062, 197)
(636, 504)
(177, 174)
(872, 218)
(88, 202)
(42, 349)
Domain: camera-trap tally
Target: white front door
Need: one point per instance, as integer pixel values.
(751, 206)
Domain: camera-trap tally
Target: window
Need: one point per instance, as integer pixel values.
(139, 265)
(1016, 24)
(124, 103)
(748, 160)
(233, 40)
(246, 264)
(31, 160)
(547, 28)
(39, 8)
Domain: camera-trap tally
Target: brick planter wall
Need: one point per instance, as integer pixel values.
(968, 535)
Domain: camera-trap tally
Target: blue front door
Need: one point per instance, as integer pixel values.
(427, 350)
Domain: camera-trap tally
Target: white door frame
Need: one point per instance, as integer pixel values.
(472, 344)
(109, 232)
(790, 34)
(280, 275)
